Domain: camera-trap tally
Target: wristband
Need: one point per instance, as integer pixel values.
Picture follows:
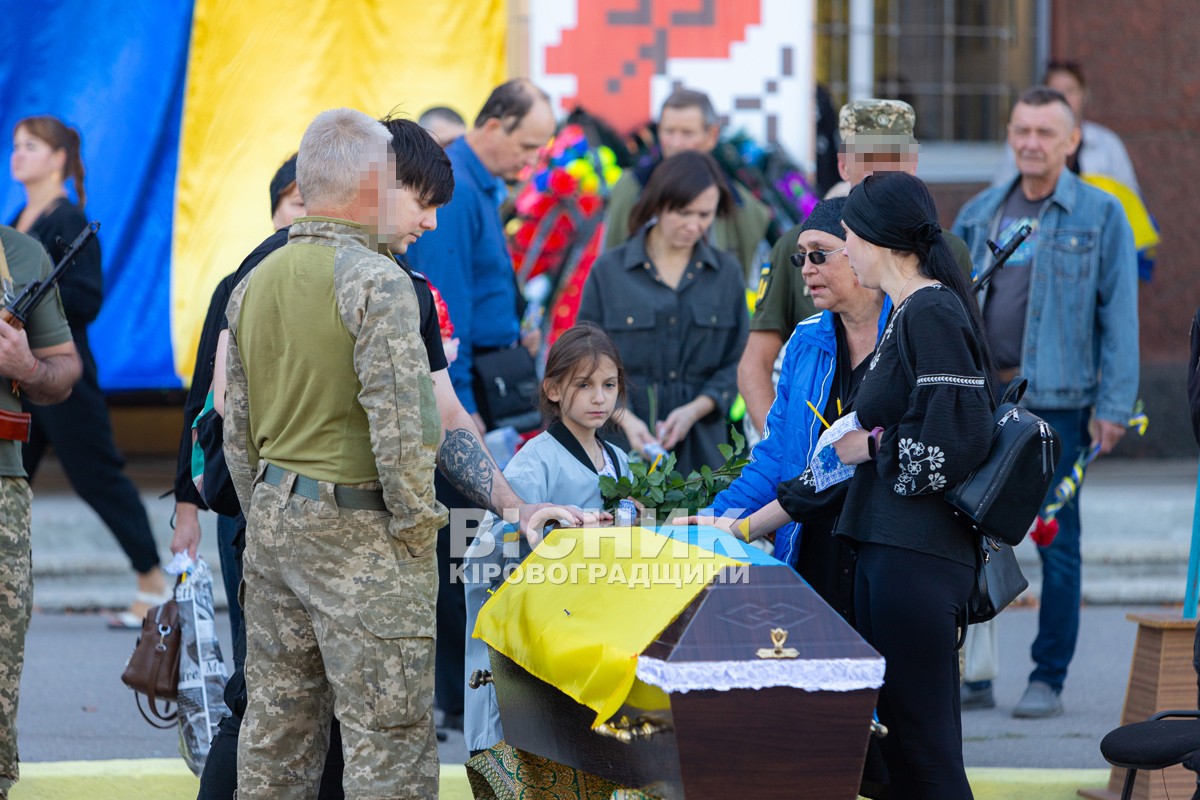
(873, 443)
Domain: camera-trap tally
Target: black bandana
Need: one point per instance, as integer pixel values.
(827, 218)
(872, 218)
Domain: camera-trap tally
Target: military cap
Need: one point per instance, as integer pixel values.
(872, 123)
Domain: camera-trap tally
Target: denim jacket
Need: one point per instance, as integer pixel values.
(1080, 347)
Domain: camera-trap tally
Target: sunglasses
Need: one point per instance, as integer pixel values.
(815, 257)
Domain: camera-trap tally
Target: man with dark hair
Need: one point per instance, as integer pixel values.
(467, 258)
(444, 123)
(1063, 313)
(688, 121)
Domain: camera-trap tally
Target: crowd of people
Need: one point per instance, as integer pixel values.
(352, 433)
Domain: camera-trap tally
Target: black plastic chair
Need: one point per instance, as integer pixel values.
(1166, 739)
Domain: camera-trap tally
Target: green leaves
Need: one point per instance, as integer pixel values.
(665, 488)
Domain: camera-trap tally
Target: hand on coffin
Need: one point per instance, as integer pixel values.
(536, 517)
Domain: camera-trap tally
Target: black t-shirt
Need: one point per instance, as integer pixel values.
(1008, 290)
(845, 377)
(215, 322)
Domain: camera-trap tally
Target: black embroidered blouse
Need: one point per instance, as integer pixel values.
(937, 425)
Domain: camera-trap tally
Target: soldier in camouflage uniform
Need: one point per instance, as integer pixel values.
(335, 468)
(41, 363)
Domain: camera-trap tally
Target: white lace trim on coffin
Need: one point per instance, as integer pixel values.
(813, 675)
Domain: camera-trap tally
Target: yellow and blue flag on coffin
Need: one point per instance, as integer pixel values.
(584, 605)
(186, 109)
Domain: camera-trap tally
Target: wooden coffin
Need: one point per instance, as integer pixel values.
(771, 742)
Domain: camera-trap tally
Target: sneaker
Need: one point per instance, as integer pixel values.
(972, 699)
(1039, 702)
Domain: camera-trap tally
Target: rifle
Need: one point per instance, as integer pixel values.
(16, 313)
(1001, 254)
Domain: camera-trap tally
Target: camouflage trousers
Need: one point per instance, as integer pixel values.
(339, 619)
(16, 602)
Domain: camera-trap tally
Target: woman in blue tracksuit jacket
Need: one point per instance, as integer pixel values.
(809, 374)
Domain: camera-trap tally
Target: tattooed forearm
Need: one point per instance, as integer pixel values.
(468, 466)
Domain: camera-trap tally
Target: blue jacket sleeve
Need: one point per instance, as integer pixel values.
(757, 485)
(1117, 319)
(445, 254)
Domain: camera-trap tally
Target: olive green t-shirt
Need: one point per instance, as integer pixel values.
(783, 299)
(294, 345)
(46, 327)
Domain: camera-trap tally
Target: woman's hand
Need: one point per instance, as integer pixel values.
(636, 432)
(673, 429)
(730, 525)
(852, 448)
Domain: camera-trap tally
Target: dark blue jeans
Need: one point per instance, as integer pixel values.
(229, 529)
(1058, 615)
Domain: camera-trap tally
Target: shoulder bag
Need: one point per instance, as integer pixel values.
(1002, 496)
(506, 388)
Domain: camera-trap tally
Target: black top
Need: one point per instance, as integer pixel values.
(935, 431)
(215, 322)
(82, 285)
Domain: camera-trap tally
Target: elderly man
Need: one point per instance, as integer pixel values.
(41, 364)
(877, 136)
(335, 471)
(688, 121)
(1063, 313)
(1100, 151)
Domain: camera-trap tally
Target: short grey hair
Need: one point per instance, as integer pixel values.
(336, 147)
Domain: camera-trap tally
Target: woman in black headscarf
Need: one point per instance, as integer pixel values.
(926, 416)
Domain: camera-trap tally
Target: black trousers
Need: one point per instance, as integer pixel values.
(908, 606)
(449, 682)
(218, 781)
(80, 432)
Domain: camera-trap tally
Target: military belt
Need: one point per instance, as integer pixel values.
(344, 496)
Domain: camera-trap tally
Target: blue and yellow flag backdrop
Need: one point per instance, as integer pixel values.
(187, 109)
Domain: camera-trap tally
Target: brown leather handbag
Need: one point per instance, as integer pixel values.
(153, 669)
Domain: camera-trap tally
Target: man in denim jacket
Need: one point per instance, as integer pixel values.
(1063, 313)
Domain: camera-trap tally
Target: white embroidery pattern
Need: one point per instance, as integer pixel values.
(916, 458)
(949, 380)
(807, 479)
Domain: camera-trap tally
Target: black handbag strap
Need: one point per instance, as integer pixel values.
(1015, 390)
(168, 721)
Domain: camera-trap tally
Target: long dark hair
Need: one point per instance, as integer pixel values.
(675, 183)
(59, 136)
(578, 352)
(896, 210)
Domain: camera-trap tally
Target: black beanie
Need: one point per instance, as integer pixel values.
(826, 217)
(285, 176)
(885, 216)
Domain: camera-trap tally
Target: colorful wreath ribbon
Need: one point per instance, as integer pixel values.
(1045, 528)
